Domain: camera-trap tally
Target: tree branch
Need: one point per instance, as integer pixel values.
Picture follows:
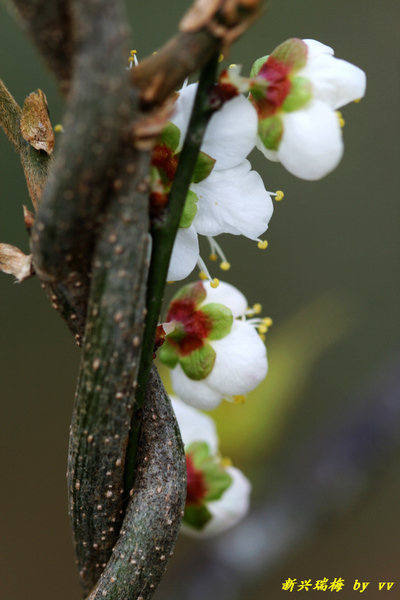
(106, 389)
(154, 513)
(209, 27)
(85, 171)
(36, 163)
(49, 24)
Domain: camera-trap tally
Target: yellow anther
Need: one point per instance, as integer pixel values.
(220, 57)
(155, 52)
(239, 399)
(203, 276)
(357, 100)
(340, 118)
(262, 329)
(262, 336)
(257, 308)
(58, 128)
(279, 195)
(214, 283)
(232, 66)
(225, 266)
(225, 462)
(262, 244)
(131, 59)
(133, 52)
(213, 256)
(267, 321)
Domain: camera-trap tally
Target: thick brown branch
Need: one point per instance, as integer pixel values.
(100, 108)
(105, 395)
(153, 516)
(49, 24)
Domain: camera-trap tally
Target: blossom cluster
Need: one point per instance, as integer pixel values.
(211, 341)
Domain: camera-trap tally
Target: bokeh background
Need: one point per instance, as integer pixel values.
(320, 438)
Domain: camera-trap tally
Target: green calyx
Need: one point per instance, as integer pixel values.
(199, 363)
(189, 210)
(221, 318)
(300, 94)
(257, 66)
(171, 136)
(196, 517)
(270, 131)
(293, 53)
(203, 168)
(168, 354)
(216, 478)
(192, 291)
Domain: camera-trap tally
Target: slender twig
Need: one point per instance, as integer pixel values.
(36, 163)
(207, 28)
(163, 235)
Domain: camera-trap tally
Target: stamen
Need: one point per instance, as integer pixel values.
(205, 274)
(185, 83)
(221, 57)
(340, 118)
(262, 244)
(217, 251)
(261, 324)
(357, 100)
(225, 462)
(133, 59)
(239, 399)
(255, 310)
(279, 195)
(58, 128)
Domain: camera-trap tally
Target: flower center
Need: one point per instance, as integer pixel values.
(192, 328)
(276, 74)
(196, 486)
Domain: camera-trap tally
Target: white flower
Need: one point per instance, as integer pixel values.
(296, 93)
(212, 353)
(227, 196)
(208, 476)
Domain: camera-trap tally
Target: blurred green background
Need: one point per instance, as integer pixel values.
(330, 281)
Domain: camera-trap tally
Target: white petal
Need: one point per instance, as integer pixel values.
(185, 254)
(315, 48)
(231, 133)
(270, 154)
(194, 393)
(240, 363)
(228, 295)
(228, 510)
(194, 425)
(233, 201)
(311, 145)
(335, 81)
(183, 110)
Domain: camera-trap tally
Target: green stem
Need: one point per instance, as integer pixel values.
(163, 240)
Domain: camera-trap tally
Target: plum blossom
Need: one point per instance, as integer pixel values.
(225, 195)
(296, 92)
(217, 493)
(211, 352)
